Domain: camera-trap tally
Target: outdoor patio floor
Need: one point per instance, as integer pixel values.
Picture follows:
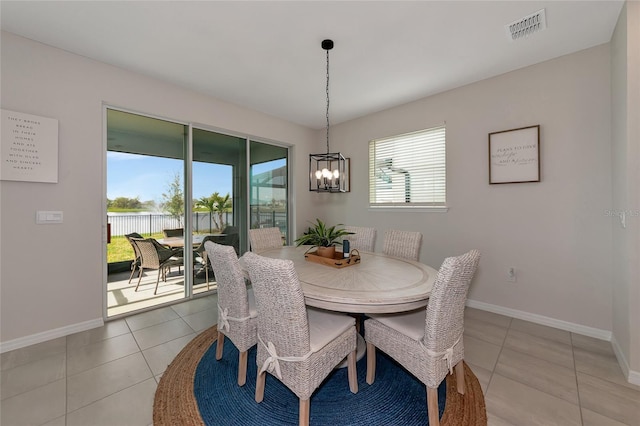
(122, 297)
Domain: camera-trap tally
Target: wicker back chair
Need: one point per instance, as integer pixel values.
(153, 255)
(265, 238)
(200, 252)
(362, 238)
(402, 244)
(428, 346)
(177, 232)
(136, 261)
(236, 305)
(299, 346)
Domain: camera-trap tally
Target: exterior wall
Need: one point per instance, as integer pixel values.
(52, 275)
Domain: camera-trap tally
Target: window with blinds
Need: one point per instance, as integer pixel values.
(409, 169)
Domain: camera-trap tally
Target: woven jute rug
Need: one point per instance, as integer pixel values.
(175, 403)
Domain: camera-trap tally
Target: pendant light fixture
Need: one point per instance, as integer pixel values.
(328, 172)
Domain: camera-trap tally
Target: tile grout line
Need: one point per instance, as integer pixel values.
(575, 371)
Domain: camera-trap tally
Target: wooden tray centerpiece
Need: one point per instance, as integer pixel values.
(338, 260)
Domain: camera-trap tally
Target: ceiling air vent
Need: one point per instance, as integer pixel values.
(526, 26)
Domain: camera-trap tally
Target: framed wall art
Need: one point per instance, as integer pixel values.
(514, 155)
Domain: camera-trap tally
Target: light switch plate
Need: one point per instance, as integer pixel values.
(48, 217)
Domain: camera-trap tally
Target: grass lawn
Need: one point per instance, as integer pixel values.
(119, 248)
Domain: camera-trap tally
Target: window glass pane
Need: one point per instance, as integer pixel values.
(408, 169)
(269, 187)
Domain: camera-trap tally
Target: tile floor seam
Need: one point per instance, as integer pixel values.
(575, 372)
(493, 370)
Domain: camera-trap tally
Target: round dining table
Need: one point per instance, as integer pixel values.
(377, 284)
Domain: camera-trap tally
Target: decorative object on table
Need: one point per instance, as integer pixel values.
(323, 237)
(514, 155)
(346, 248)
(337, 261)
(328, 172)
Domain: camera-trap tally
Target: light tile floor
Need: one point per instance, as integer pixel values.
(531, 374)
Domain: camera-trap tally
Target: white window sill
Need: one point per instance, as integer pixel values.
(412, 209)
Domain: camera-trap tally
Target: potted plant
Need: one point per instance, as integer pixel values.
(323, 237)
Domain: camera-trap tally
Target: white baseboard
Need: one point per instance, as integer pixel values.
(633, 377)
(540, 319)
(49, 334)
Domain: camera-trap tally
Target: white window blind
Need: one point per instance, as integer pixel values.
(408, 169)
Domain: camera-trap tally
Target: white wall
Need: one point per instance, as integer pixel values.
(625, 101)
(52, 275)
(555, 233)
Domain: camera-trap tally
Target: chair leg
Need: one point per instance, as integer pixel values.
(206, 274)
(460, 377)
(303, 417)
(371, 363)
(157, 281)
(432, 406)
(242, 368)
(139, 279)
(133, 270)
(220, 346)
(262, 377)
(352, 372)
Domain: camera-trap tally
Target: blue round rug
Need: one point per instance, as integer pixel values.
(395, 398)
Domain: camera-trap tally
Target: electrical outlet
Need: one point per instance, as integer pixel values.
(511, 275)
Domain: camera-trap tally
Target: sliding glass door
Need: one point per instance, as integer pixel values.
(180, 185)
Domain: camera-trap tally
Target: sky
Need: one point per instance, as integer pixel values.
(147, 177)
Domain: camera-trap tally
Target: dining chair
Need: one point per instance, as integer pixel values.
(177, 232)
(428, 344)
(200, 254)
(136, 261)
(265, 238)
(236, 305)
(362, 238)
(402, 244)
(300, 346)
(153, 255)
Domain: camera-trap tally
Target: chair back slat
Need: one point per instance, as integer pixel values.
(445, 311)
(282, 315)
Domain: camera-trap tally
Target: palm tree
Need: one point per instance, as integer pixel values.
(222, 205)
(209, 204)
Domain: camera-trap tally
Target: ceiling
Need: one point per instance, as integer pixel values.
(266, 55)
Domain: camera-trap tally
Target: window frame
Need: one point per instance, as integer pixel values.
(435, 148)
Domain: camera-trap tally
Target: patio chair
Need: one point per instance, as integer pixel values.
(200, 254)
(265, 238)
(428, 344)
(136, 261)
(362, 238)
(402, 244)
(177, 232)
(153, 255)
(236, 305)
(299, 346)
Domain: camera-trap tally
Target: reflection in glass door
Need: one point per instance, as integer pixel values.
(145, 198)
(269, 187)
(219, 182)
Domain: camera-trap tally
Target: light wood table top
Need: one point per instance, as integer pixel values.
(179, 241)
(378, 284)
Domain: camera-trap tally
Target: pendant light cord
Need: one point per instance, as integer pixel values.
(327, 91)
